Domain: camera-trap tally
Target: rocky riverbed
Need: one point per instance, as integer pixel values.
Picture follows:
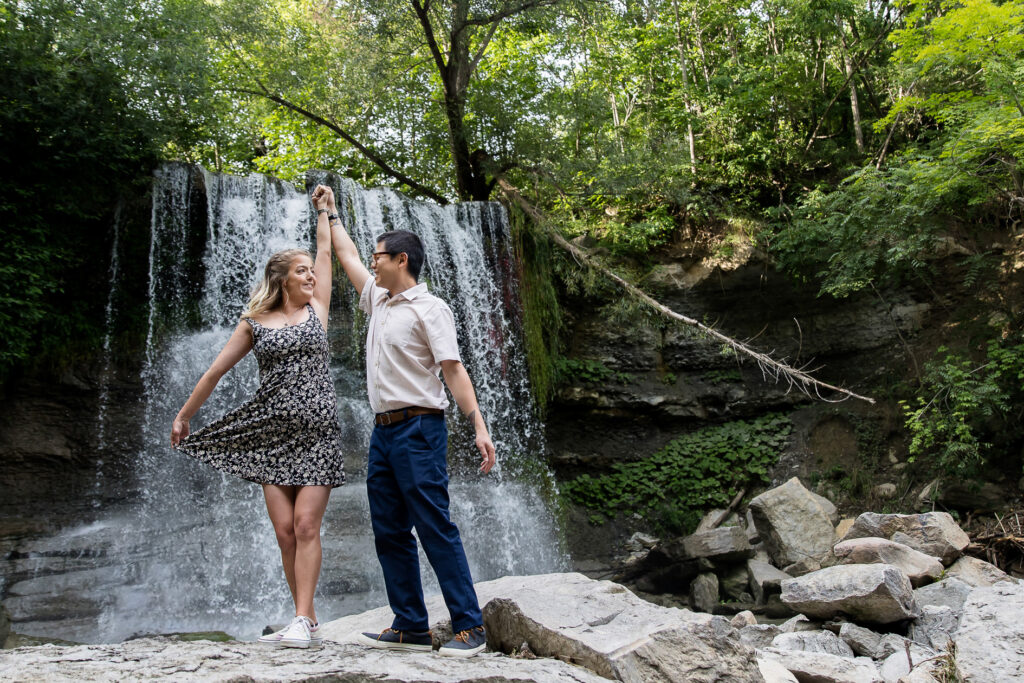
(880, 598)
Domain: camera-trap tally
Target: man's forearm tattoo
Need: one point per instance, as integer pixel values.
(472, 416)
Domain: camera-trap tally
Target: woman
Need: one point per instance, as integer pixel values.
(287, 437)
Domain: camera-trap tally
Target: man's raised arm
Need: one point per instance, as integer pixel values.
(348, 255)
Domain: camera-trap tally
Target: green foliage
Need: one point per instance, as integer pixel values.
(671, 488)
(89, 94)
(720, 376)
(957, 69)
(541, 310)
(962, 404)
(586, 371)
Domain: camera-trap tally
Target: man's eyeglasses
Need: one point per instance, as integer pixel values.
(377, 254)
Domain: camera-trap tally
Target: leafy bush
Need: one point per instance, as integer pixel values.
(585, 371)
(960, 406)
(671, 488)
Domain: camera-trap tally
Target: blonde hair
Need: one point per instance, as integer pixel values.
(269, 293)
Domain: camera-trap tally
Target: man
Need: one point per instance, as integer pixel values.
(411, 339)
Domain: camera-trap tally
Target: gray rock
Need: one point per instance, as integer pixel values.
(639, 542)
(926, 672)
(862, 641)
(933, 533)
(744, 618)
(5, 625)
(951, 592)
(813, 641)
(875, 593)
(792, 523)
(733, 581)
(799, 623)
(890, 643)
(802, 566)
(724, 544)
(764, 579)
(704, 592)
(918, 567)
(884, 491)
(990, 638)
(935, 626)
(818, 667)
(826, 506)
(977, 573)
(750, 528)
(602, 626)
(702, 654)
(774, 672)
(173, 660)
(759, 636)
(900, 664)
(712, 517)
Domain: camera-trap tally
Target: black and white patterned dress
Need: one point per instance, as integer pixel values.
(288, 433)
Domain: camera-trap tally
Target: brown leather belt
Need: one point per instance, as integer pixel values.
(393, 416)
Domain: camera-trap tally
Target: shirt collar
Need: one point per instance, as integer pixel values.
(412, 292)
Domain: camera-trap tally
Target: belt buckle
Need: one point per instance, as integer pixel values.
(381, 421)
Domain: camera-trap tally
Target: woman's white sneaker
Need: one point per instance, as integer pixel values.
(274, 639)
(300, 633)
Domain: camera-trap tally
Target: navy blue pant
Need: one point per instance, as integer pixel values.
(407, 484)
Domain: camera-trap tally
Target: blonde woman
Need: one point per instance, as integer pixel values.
(287, 437)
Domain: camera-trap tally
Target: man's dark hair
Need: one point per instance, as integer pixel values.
(402, 241)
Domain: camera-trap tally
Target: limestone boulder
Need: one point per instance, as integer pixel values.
(863, 641)
(899, 664)
(932, 533)
(928, 671)
(990, 638)
(813, 641)
(724, 544)
(604, 627)
(951, 592)
(918, 567)
(935, 626)
(764, 580)
(759, 636)
(792, 524)
(977, 573)
(799, 623)
(166, 659)
(744, 618)
(873, 593)
(818, 667)
(774, 672)
(704, 592)
(827, 506)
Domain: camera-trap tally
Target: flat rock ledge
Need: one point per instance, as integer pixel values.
(173, 660)
(554, 627)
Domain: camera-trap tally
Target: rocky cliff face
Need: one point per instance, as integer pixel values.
(662, 382)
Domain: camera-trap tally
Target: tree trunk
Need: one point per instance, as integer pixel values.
(858, 132)
(681, 48)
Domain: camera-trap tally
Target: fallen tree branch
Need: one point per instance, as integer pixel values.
(769, 366)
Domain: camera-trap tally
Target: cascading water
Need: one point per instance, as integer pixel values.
(197, 551)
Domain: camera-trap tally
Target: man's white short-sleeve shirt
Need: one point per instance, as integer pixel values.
(410, 334)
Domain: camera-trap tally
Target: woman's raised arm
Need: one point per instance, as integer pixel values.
(323, 200)
(237, 346)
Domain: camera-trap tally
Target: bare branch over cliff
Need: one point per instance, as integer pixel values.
(777, 370)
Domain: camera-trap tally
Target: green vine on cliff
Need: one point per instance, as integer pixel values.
(542, 318)
(693, 473)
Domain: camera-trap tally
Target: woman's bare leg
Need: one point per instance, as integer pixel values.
(310, 504)
(281, 508)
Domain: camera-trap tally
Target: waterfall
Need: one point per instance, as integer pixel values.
(196, 550)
